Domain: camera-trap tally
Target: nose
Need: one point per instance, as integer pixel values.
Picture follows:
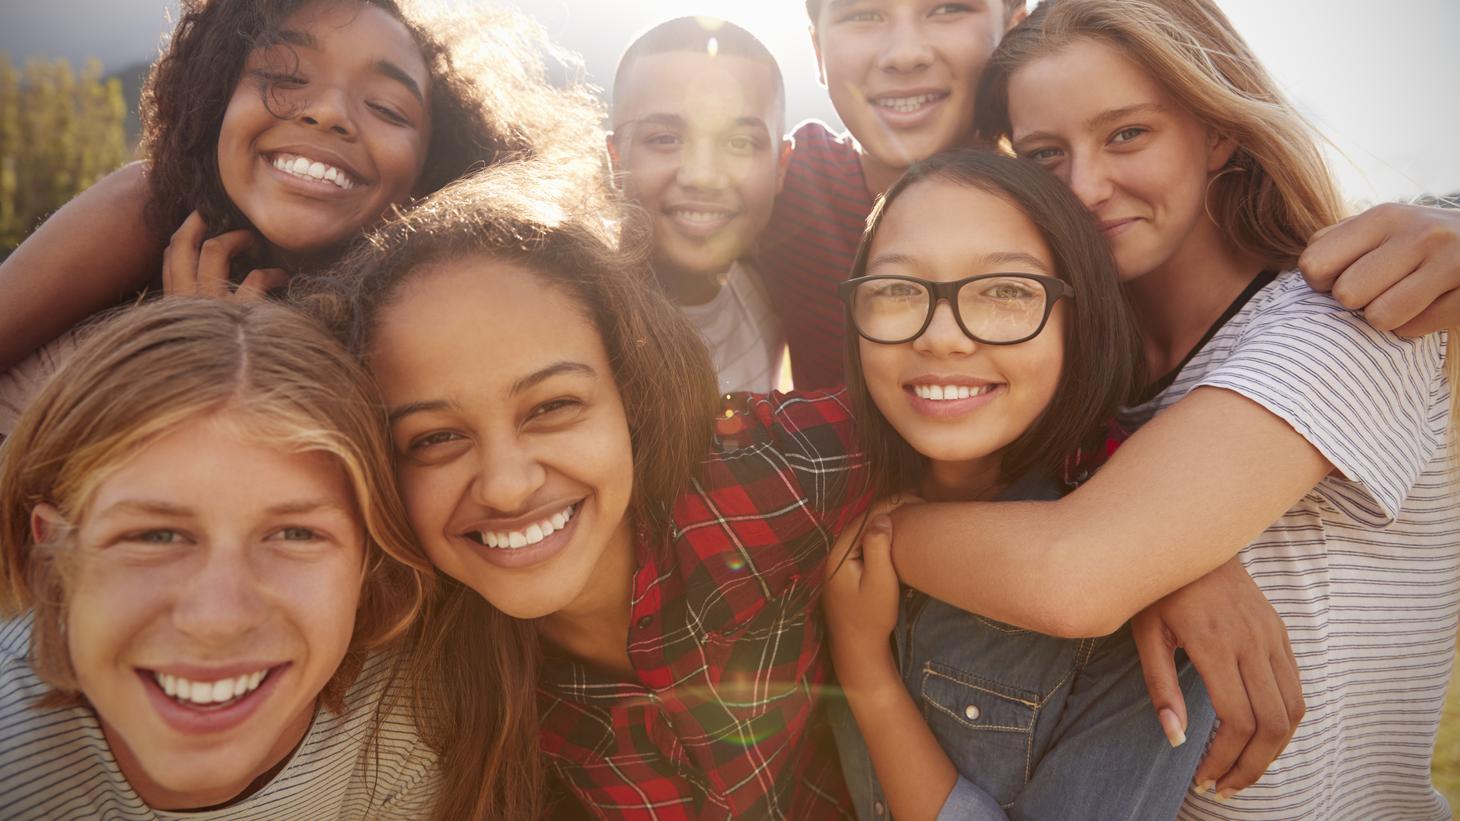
(943, 337)
(223, 599)
(508, 477)
(908, 48)
(1089, 178)
(328, 108)
(702, 167)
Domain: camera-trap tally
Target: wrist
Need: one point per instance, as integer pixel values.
(866, 670)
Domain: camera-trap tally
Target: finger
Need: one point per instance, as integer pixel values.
(1410, 296)
(182, 254)
(1443, 313)
(215, 258)
(259, 282)
(1271, 732)
(1375, 273)
(1290, 682)
(1229, 700)
(1334, 248)
(1158, 666)
(167, 286)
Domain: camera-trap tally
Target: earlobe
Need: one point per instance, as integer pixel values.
(613, 160)
(1016, 18)
(46, 523)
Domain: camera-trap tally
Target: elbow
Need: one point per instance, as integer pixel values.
(1081, 599)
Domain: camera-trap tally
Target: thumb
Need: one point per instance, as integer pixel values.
(1158, 665)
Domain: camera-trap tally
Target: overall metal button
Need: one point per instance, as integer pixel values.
(971, 712)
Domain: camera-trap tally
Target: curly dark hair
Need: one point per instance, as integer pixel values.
(490, 98)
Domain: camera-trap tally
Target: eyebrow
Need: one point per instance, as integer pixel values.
(1099, 121)
(996, 258)
(676, 121)
(157, 507)
(555, 369)
(536, 377)
(304, 39)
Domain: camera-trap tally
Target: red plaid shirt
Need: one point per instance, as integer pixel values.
(724, 636)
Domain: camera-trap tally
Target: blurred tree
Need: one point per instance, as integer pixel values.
(59, 133)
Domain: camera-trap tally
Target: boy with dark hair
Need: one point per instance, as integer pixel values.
(698, 113)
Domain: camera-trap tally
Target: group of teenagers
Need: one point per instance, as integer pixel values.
(425, 462)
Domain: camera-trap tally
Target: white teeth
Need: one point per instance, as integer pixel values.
(908, 104)
(532, 534)
(209, 692)
(944, 393)
(312, 170)
(699, 216)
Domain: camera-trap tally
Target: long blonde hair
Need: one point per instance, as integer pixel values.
(1276, 191)
(155, 367)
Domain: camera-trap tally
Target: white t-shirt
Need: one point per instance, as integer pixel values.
(1365, 570)
(742, 333)
(55, 765)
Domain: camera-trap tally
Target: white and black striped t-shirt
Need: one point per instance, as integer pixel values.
(741, 332)
(1365, 570)
(55, 764)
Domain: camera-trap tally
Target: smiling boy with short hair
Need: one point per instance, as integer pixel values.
(902, 75)
(698, 112)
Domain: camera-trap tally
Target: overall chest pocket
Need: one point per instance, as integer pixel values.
(987, 728)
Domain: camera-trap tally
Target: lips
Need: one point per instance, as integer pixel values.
(188, 716)
(950, 396)
(699, 220)
(905, 109)
(1115, 227)
(526, 540)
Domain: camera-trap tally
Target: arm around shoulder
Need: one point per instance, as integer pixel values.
(86, 257)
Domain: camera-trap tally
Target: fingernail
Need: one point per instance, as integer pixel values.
(1225, 794)
(1171, 724)
(1206, 786)
(882, 523)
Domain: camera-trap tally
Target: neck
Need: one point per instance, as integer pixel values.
(594, 628)
(161, 797)
(689, 288)
(879, 177)
(970, 481)
(1177, 302)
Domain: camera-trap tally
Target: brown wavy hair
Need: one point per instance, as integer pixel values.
(155, 367)
(1103, 362)
(474, 669)
(490, 97)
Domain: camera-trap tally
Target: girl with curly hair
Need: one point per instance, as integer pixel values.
(274, 132)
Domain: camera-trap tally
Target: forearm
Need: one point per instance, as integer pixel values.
(1184, 495)
(90, 254)
(915, 774)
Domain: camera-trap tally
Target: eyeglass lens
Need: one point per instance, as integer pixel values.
(997, 309)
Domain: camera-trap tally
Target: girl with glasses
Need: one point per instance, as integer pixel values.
(994, 342)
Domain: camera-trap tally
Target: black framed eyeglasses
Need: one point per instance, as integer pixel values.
(994, 309)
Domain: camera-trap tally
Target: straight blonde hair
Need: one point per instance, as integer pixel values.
(158, 366)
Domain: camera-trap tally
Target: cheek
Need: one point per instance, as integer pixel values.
(880, 371)
(106, 613)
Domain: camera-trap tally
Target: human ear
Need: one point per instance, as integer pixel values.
(783, 162)
(1016, 18)
(1220, 149)
(816, 47)
(46, 523)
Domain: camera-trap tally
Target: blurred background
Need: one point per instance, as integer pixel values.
(1381, 80)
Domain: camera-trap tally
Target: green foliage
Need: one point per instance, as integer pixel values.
(59, 133)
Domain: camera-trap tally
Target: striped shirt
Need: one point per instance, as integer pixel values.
(809, 246)
(55, 764)
(1365, 570)
(742, 333)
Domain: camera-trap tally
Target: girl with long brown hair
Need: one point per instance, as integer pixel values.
(1283, 423)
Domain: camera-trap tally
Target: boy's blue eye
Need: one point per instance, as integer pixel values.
(1125, 135)
(298, 534)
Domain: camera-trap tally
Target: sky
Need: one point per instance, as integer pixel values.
(1379, 78)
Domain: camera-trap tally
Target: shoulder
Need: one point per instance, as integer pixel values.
(817, 145)
(812, 424)
(54, 761)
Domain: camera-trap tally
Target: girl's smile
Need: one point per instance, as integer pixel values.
(328, 128)
(516, 466)
(954, 399)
